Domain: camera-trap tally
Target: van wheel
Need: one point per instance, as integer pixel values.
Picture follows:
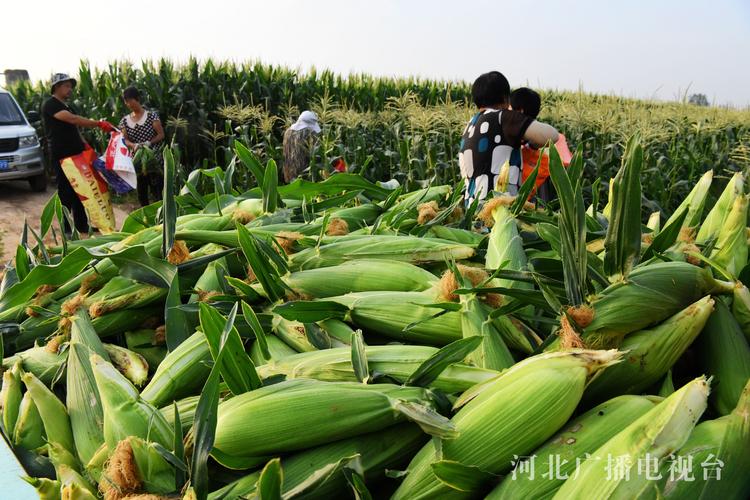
(38, 183)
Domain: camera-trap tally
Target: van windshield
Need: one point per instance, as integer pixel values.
(9, 112)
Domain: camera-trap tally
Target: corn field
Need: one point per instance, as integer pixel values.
(406, 129)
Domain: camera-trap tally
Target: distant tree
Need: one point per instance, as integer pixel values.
(15, 75)
(698, 99)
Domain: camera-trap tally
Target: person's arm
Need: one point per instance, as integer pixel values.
(539, 134)
(79, 121)
(159, 133)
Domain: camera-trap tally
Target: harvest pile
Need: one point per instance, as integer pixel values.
(339, 338)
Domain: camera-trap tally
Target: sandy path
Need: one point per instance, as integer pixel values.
(19, 203)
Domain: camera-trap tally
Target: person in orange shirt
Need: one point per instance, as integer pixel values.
(529, 103)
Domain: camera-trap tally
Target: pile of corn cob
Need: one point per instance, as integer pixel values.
(338, 339)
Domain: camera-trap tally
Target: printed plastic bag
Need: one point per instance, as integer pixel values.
(117, 165)
(90, 188)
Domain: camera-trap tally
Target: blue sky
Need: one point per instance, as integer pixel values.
(658, 48)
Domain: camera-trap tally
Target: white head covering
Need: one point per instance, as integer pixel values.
(307, 119)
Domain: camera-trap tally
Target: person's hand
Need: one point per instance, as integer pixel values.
(105, 126)
(131, 145)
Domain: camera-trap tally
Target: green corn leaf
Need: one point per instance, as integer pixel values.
(263, 270)
(237, 369)
(250, 161)
(22, 263)
(169, 206)
(135, 263)
(460, 477)
(174, 318)
(357, 484)
(359, 358)
(311, 311)
(270, 185)
(179, 447)
(666, 237)
(260, 335)
(432, 367)
(270, 481)
(623, 241)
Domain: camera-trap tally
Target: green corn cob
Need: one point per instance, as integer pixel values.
(393, 248)
(47, 489)
(537, 395)
(52, 411)
(650, 353)
(652, 437)
(125, 413)
(74, 485)
(324, 412)
(29, 430)
(376, 452)
(130, 364)
(277, 348)
(396, 361)
(731, 244)
(718, 214)
(695, 202)
(559, 456)
(11, 398)
(82, 396)
(741, 308)
(182, 373)
(390, 313)
(38, 360)
(492, 353)
(723, 353)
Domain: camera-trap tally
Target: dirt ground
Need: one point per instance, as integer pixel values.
(18, 203)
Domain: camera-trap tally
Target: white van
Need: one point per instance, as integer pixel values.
(20, 152)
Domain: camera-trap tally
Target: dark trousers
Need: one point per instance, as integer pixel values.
(152, 183)
(70, 200)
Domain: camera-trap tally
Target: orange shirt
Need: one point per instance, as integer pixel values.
(530, 158)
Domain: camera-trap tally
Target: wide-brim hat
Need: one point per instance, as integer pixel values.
(58, 78)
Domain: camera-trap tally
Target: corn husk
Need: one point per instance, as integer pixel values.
(52, 411)
(720, 211)
(651, 353)
(324, 412)
(653, 436)
(537, 395)
(568, 448)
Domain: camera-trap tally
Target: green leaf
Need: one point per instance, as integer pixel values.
(237, 369)
(460, 477)
(169, 206)
(270, 481)
(357, 484)
(22, 263)
(622, 244)
(135, 263)
(204, 430)
(174, 318)
(229, 176)
(667, 236)
(260, 335)
(427, 419)
(359, 357)
(311, 311)
(48, 213)
(525, 191)
(572, 224)
(141, 219)
(270, 191)
(250, 161)
(179, 447)
(432, 367)
(55, 275)
(335, 184)
(320, 477)
(265, 273)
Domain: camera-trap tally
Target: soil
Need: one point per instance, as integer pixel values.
(18, 203)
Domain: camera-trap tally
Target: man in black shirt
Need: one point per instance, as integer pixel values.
(64, 140)
(491, 142)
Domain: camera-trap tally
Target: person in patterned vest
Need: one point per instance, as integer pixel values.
(143, 129)
(489, 154)
(299, 141)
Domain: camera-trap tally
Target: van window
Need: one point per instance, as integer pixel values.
(9, 112)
